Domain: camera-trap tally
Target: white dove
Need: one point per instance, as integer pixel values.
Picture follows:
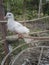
(15, 26)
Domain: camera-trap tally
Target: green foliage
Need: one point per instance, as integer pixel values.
(46, 8)
(18, 7)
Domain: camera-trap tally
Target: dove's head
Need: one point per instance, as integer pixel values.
(9, 15)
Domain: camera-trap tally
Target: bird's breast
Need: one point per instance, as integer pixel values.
(10, 26)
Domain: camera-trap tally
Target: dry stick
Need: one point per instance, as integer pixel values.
(29, 37)
(40, 55)
(2, 41)
(24, 11)
(17, 48)
(15, 36)
(34, 38)
(39, 12)
(38, 38)
(35, 19)
(11, 52)
(26, 50)
(29, 20)
(40, 7)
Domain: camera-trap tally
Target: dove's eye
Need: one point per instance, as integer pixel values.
(9, 14)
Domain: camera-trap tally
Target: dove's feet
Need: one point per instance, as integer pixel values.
(20, 36)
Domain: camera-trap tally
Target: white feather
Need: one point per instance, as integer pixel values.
(15, 26)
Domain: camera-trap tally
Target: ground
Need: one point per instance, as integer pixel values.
(39, 26)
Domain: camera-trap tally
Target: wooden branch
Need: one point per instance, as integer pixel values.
(2, 63)
(15, 37)
(2, 41)
(12, 38)
(40, 56)
(38, 38)
(35, 19)
(39, 32)
(28, 20)
(25, 51)
(40, 8)
(3, 22)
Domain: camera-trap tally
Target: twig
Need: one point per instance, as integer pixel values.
(40, 56)
(2, 41)
(28, 20)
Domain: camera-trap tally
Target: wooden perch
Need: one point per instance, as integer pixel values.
(38, 38)
(3, 22)
(12, 38)
(39, 32)
(28, 20)
(15, 37)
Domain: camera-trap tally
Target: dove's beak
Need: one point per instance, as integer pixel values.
(5, 17)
